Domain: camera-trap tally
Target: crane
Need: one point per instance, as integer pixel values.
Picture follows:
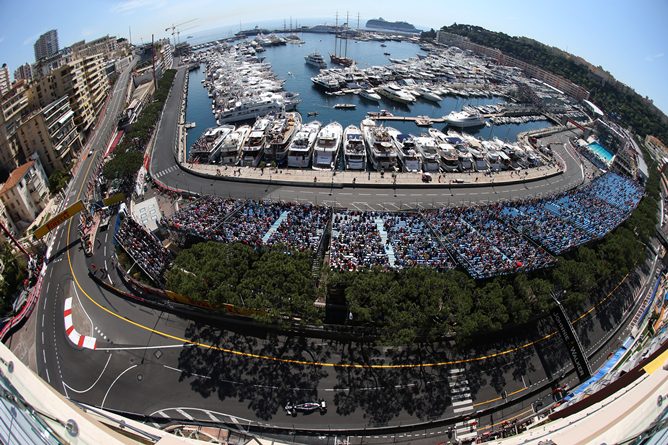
(175, 29)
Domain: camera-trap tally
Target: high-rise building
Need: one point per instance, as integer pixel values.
(50, 133)
(83, 81)
(13, 104)
(46, 45)
(23, 72)
(4, 79)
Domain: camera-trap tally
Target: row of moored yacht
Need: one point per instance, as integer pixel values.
(283, 139)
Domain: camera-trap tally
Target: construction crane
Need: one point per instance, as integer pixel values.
(176, 31)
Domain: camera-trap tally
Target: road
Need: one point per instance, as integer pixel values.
(161, 364)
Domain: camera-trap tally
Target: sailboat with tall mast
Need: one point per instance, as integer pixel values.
(340, 57)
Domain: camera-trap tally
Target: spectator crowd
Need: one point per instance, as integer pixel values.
(144, 249)
(486, 241)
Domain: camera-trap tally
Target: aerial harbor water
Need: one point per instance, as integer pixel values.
(287, 63)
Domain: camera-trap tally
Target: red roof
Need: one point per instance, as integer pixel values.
(16, 175)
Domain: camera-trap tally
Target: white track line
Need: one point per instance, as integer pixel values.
(94, 383)
(113, 383)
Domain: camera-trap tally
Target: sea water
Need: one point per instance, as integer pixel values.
(288, 63)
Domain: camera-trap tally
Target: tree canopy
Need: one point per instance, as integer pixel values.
(274, 281)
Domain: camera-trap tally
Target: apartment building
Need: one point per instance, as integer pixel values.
(25, 193)
(83, 81)
(51, 133)
(13, 105)
(23, 72)
(46, 45)
(111, 48)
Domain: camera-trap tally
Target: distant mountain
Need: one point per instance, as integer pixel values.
(381, 23)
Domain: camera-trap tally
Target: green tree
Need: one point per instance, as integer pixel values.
(12, 276)
(123, 165)
(58, 180)
(211, 272)
(281, 284)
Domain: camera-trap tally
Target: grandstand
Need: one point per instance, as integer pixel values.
(486, 241)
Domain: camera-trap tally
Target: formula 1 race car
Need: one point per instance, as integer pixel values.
(306, 408)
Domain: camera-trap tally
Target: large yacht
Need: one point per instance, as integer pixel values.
(251, 108)
(395, 93)
(370, 94)
(316, 60)
(382, 153)
(205, 146)
(448, 153)
(230, 148)
(465, 160)
(410, 158)
(327, 146)
(427, 147)
(301, 147)
(354, 153)
(279, 135)
(251, 151)
(428, 94)
(464, 119)
(327, 82)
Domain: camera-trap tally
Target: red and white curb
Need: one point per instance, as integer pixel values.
(81, 341)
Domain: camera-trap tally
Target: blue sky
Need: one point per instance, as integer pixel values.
(627, 38)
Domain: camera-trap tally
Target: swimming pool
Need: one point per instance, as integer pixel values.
(601, 152)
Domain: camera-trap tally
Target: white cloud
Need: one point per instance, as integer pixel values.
(653, 57)
(86, 32)
(128, 6)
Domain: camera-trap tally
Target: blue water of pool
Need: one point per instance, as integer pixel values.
(601, 152)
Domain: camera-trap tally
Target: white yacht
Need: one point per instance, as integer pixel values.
(370, 94)
(428, 94)
(382, 152)
(395, 93)
(464, 119)
(479, 160)
(354, 153)
(327, 146)
(326, 82)
(446, 149)
(251, 151)
(205, 146)
(316, 60)
(251, 108)
(495, 159)
(301, 147)
(410, 158)
(465, 160)
(230, 148)
(279, 135)
(427, 147)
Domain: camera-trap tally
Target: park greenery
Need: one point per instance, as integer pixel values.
(128, 155)
(618, 100)
(416, 304)
(274, 282)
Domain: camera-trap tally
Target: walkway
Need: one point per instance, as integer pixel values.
(389, 250)
(274, 227)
